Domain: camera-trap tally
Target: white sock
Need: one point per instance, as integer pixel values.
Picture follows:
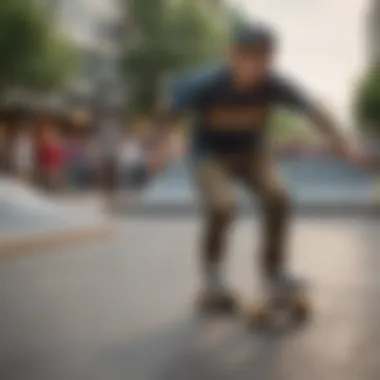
(214, 280)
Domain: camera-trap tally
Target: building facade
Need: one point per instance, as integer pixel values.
(373, 32)
(96, 29)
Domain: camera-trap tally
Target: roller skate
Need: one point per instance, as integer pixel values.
(222, 302)
(216, 298)
(281, 295)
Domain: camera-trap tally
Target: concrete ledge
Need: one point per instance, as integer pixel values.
(309, 209)
(40, 242)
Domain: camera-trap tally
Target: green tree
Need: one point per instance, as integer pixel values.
(32, 53)
(54, 69)
(237, 18)
(286, 127)
(367, 102)
(170, 37)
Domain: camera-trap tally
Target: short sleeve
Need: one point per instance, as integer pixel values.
(292, 96)
(184, 94)
(189, 93)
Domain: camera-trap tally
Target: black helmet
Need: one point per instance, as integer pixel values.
(257, 36)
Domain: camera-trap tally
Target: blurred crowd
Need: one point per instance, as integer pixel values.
(59, 156)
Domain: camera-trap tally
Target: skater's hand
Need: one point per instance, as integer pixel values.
(351, 152)
(158, 159)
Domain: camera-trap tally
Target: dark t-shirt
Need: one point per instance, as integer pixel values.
(231, 120)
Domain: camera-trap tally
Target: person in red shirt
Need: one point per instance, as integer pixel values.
(51, 157)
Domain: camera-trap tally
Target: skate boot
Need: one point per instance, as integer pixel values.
(221, 302)
(216, 297)
(281, 294)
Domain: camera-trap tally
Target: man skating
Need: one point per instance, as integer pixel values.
(232, 104)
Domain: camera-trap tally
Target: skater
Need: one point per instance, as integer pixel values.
(232, 103)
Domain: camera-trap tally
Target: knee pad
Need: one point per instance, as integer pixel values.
(223, 212)
(279, 202)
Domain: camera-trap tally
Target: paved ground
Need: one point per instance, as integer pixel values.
(122, 310)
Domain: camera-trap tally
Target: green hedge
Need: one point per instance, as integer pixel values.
(367, 101)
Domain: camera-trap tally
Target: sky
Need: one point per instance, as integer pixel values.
(323, 44)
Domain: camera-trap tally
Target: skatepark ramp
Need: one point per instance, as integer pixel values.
(29, 219)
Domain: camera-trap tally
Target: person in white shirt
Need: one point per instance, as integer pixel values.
(108, 140)
(23, 154)
(132, 161)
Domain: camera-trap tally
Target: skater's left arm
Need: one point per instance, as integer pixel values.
(294, 97)
(181, 98)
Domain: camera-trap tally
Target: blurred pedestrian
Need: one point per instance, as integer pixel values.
(158, 156)
(132, 161)
(4, 146)
(51, 158)
(76, 163)
(23, 158)
(177, 147)
(108, 141)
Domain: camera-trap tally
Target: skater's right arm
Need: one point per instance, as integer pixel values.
(183, 97)
(290, 95)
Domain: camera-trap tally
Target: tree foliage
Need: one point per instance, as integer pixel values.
(367, 102)
(32, 53)
(286, 127)
(170, 37)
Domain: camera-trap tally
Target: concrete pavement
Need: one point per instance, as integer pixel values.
(122, 309)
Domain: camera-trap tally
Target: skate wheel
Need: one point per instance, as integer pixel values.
(260, 317)
(226, 304)
(301, 309)
(212, 304)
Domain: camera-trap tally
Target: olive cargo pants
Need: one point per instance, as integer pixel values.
(215, 176)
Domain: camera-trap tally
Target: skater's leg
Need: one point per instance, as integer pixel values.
(281, 289)
(216, 191)
(263, 179)
(276, 207)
